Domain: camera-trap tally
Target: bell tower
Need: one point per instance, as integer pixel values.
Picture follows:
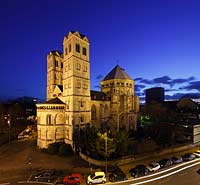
(54, 72)
(76, 81)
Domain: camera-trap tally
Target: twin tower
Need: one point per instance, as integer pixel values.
(71, 105)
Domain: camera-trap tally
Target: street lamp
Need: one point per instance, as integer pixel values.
(105, 137)
(8, 122)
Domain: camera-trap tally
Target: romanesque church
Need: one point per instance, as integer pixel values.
(72, 105)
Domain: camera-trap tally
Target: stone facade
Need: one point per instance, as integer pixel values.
(70, 102)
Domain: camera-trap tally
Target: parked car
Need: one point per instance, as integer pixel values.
(96, 178)
(153, 166)
(139, 170)
(188, 157)
(117, 175)
(165, 163)
(197, 153)
(74, 178)
(113, 168)
(45, 176)
(176, 160)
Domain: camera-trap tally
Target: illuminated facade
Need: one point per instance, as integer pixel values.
(71, 104)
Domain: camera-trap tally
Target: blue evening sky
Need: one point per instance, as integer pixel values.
(157, 42)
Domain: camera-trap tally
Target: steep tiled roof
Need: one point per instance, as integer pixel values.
(53, 101)
(82, 36)
(117, 73)
(56, 52)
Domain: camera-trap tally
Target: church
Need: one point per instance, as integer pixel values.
(71, 104)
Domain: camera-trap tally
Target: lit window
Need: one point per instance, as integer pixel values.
(84, 51)
(78, 48)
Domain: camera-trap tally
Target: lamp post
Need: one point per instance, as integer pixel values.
(105, 137)
(8, 122)
(9, 130)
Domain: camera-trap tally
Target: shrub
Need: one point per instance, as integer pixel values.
(65, 149)
(53, 148)
(60, 149)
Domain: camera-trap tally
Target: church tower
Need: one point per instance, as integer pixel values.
(76, 82)
(54, 72)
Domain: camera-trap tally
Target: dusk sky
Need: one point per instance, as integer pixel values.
(157, 42)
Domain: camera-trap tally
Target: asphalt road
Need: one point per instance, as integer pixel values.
(182, 174)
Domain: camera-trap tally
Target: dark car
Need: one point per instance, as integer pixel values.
(188, 157)
(113, 168)
(117, 175)
(139, 170)
(45, 176)
(74, 178)
(165, 163)
(176, 160)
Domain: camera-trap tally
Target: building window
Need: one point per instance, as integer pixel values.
(81, 104)
(78, 66)
(61, 65)
(78, 48)
(66, 51)
(56, 63)
(84, 68)
(78, 84)
(85, 86)
(70, 48)
(84, 51)
(49, 119)
(82, 119)
(93, 112)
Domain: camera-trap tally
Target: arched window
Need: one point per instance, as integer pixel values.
(59, 119)
(78, 48)
(93, 112)
(49, 119)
